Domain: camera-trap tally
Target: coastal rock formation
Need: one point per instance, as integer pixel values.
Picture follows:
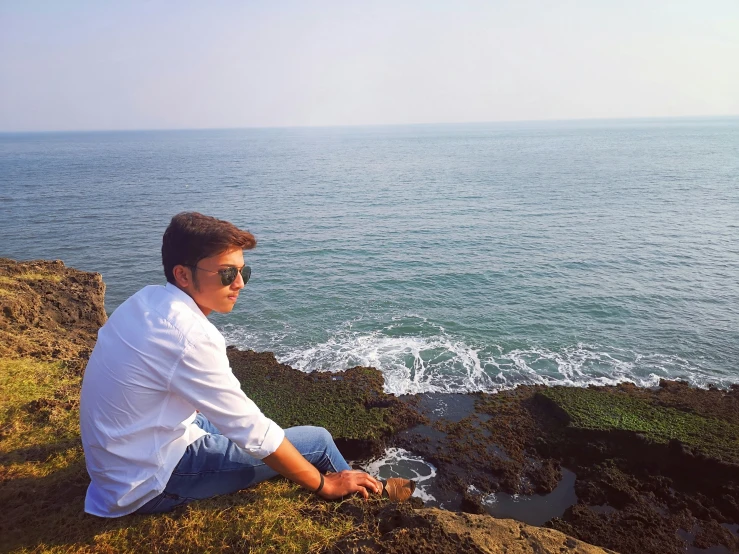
(403, 530)
(657, 471)
(48, 311)
(350, 404)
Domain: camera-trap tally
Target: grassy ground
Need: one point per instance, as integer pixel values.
(43, 482)
(49, 316)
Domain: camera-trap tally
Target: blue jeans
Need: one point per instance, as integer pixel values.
(214, 465)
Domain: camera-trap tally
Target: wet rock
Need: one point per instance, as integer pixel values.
(661, 460)
(472, 502)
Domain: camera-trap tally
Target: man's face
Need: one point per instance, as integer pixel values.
(204, 283)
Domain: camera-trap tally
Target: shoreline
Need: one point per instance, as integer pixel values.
(655, 470)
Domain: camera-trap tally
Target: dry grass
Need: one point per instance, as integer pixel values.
(6, 292)
(38, 276)
(38, 407)
(23, 380)
(44, 481)
(274, 517)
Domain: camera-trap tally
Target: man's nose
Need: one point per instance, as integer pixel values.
(238, 283)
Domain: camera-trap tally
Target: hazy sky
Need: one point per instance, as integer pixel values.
(130, 64)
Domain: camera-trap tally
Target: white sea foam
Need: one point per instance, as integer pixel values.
(398, 462)
(486, 499)
(410, 364)
(438, 362)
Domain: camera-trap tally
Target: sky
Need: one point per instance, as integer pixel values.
(166, 64)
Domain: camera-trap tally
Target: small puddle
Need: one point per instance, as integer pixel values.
(534, 509)
(398, 462)
(450, 407)
(689, 537)
(732, 528)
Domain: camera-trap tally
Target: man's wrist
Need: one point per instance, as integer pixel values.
(323, 482)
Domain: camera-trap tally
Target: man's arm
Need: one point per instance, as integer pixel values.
(290, 463)
(203, 377)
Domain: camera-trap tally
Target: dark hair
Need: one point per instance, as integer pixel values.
(191, 237)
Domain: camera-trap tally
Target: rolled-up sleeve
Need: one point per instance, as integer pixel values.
(204, 378)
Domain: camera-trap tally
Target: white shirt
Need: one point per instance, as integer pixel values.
(156, 361)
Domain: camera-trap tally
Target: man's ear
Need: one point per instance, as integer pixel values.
(182, 276)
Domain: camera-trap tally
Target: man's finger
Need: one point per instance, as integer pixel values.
(372, 484)
(363, 492)
(369, 482)
(375, 485)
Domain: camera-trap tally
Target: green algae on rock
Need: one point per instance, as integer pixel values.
(351, 404)
(598, 409)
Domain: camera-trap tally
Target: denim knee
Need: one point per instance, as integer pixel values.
(318, 446)
(322, 435)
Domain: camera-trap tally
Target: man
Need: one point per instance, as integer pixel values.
(163, 419)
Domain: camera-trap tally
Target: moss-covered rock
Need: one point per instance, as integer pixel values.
(648, 462)
(613, 409)
(351, 405)
(659, 460)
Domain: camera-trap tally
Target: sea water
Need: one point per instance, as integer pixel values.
(451, 257)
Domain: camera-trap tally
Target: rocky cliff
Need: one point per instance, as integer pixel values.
(49, 311)
(656, 471)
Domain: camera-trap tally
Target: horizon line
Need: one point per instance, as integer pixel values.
(358, 125)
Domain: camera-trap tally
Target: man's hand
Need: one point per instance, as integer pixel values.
(287, 461)
(348, 482)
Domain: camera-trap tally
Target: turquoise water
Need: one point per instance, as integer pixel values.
(452, 257)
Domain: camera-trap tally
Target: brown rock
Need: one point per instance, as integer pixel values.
(435, 531)
(49, 311)
(493, 535)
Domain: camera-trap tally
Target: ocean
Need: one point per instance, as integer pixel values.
(470, 257)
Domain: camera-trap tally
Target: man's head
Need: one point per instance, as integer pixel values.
(199, 253)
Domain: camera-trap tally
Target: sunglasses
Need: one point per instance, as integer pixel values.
(228, 275)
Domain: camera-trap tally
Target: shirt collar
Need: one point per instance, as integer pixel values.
(186, 298)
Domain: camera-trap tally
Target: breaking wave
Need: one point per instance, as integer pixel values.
(423, 358)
